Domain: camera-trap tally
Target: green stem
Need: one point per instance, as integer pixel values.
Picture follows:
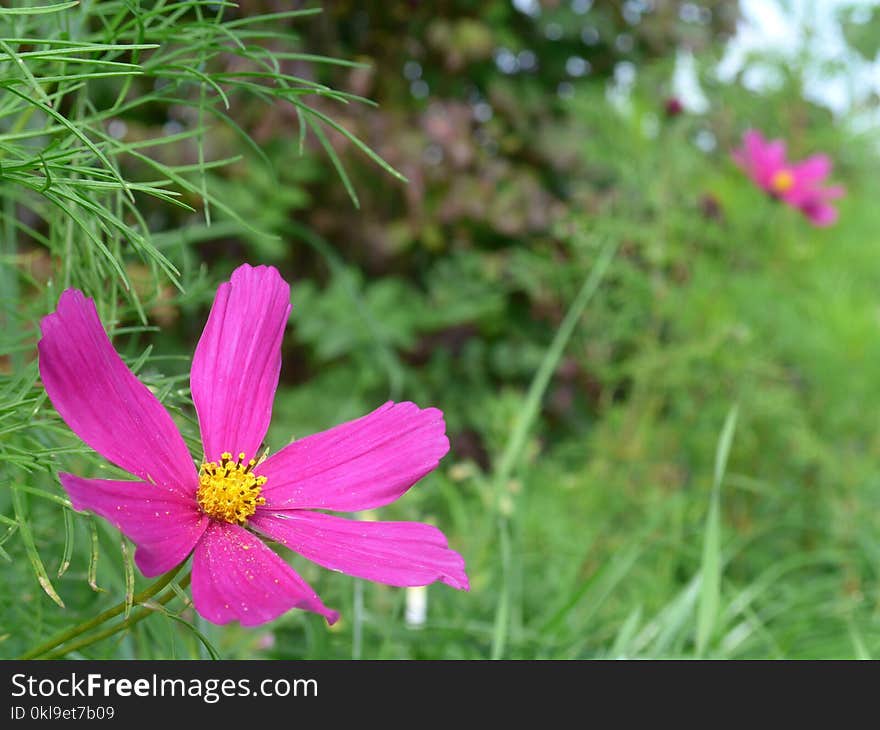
(134, 618)
(144, 595)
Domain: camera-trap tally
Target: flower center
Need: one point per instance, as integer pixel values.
(782, 181)
(230, 491)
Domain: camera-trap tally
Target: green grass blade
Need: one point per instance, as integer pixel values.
(526, 419)
(710, 570)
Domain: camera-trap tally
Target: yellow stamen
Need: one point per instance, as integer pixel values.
(782, 181)
(230, 491)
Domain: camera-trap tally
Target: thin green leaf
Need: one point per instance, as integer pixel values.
(355, 141)
(39, 9)
(73, 130)
(93, 557)
(68, 542)
(27, 537)
(337, 163)
(209, 647)
(710, 569)
(128, 567)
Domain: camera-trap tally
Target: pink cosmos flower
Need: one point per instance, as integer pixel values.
(217, 511)
(798, 184)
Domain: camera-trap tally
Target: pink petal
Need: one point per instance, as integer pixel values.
(104, 403)
(760, 158)
(237, 361)
(753, 142)
(164, 525)
(357, 465)
(820, 214)
(833, 192)
(808, 176)
(773, 155)
(235, 577)
(745, 156)
(806, 198)
(395, 553)
(812, 170)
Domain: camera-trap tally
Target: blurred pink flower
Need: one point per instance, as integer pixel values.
(217, 512)
(673, 106)
(798, 184)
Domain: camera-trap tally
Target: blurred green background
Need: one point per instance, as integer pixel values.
(587, 485)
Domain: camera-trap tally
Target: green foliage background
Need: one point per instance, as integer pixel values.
(658, 384)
